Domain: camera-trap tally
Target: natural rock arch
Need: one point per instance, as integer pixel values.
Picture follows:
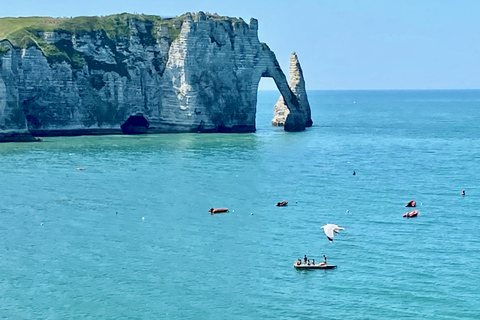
(200, 76)
(298, 115)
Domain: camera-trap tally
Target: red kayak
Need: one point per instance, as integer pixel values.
(411, 214)
(411, 204)
(282, 204)
(218, 210)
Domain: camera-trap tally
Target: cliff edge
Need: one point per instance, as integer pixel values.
(135, 74)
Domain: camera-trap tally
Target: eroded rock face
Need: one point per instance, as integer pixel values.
(205, 80)
(297, 85)
(13, 123)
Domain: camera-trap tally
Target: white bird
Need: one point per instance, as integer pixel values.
(330, 229)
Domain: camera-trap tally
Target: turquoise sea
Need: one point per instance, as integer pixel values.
(130, 237)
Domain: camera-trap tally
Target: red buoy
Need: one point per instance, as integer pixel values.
(411, 204)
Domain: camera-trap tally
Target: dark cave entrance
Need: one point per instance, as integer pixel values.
(136, 124)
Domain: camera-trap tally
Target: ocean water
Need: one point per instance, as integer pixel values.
(131, 237)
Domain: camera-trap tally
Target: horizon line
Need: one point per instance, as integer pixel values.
(450, 89)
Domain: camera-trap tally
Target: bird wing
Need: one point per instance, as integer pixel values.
(328, 229)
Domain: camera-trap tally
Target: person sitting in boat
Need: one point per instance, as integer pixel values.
(324, 263)
(313, 261)
(308, 262)
(299, 262)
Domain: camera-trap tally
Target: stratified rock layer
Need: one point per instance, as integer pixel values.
(297, 85)
(147, 81)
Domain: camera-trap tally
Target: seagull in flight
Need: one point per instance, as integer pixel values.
(330, 229)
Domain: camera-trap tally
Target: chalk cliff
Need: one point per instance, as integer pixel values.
(297, 85)
(137, 74)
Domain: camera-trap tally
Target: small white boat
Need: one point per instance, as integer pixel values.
(313, 266)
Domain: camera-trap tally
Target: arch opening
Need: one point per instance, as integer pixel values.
(267, 96)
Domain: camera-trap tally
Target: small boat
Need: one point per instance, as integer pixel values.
(411, 214)
(411, 204)
(218, 210)
(282, 204)
(313, 266)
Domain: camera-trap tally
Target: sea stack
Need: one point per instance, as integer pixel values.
(297, 85)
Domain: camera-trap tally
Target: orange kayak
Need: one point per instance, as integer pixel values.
(218, 210)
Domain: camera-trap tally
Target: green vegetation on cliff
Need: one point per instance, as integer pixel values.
(25, 32)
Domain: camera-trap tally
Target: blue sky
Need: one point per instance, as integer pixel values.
(341, 44)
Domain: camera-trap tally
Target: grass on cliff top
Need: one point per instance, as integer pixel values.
(24, 32)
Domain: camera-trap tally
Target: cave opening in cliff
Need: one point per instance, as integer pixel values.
(136, 124)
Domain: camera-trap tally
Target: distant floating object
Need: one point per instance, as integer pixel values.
(411, 214)
(41, 224)
(143, 218)
(348, 210)
(218, 210)
(330, 229)
(354, 173)
(80, 169)
(411, 204)
(251, 213)
(463, 192)
(282, 204)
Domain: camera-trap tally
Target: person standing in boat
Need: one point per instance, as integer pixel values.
(313, 262)
(305, 259)
(324, 260)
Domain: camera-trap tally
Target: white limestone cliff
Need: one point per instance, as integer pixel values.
(205, 80)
